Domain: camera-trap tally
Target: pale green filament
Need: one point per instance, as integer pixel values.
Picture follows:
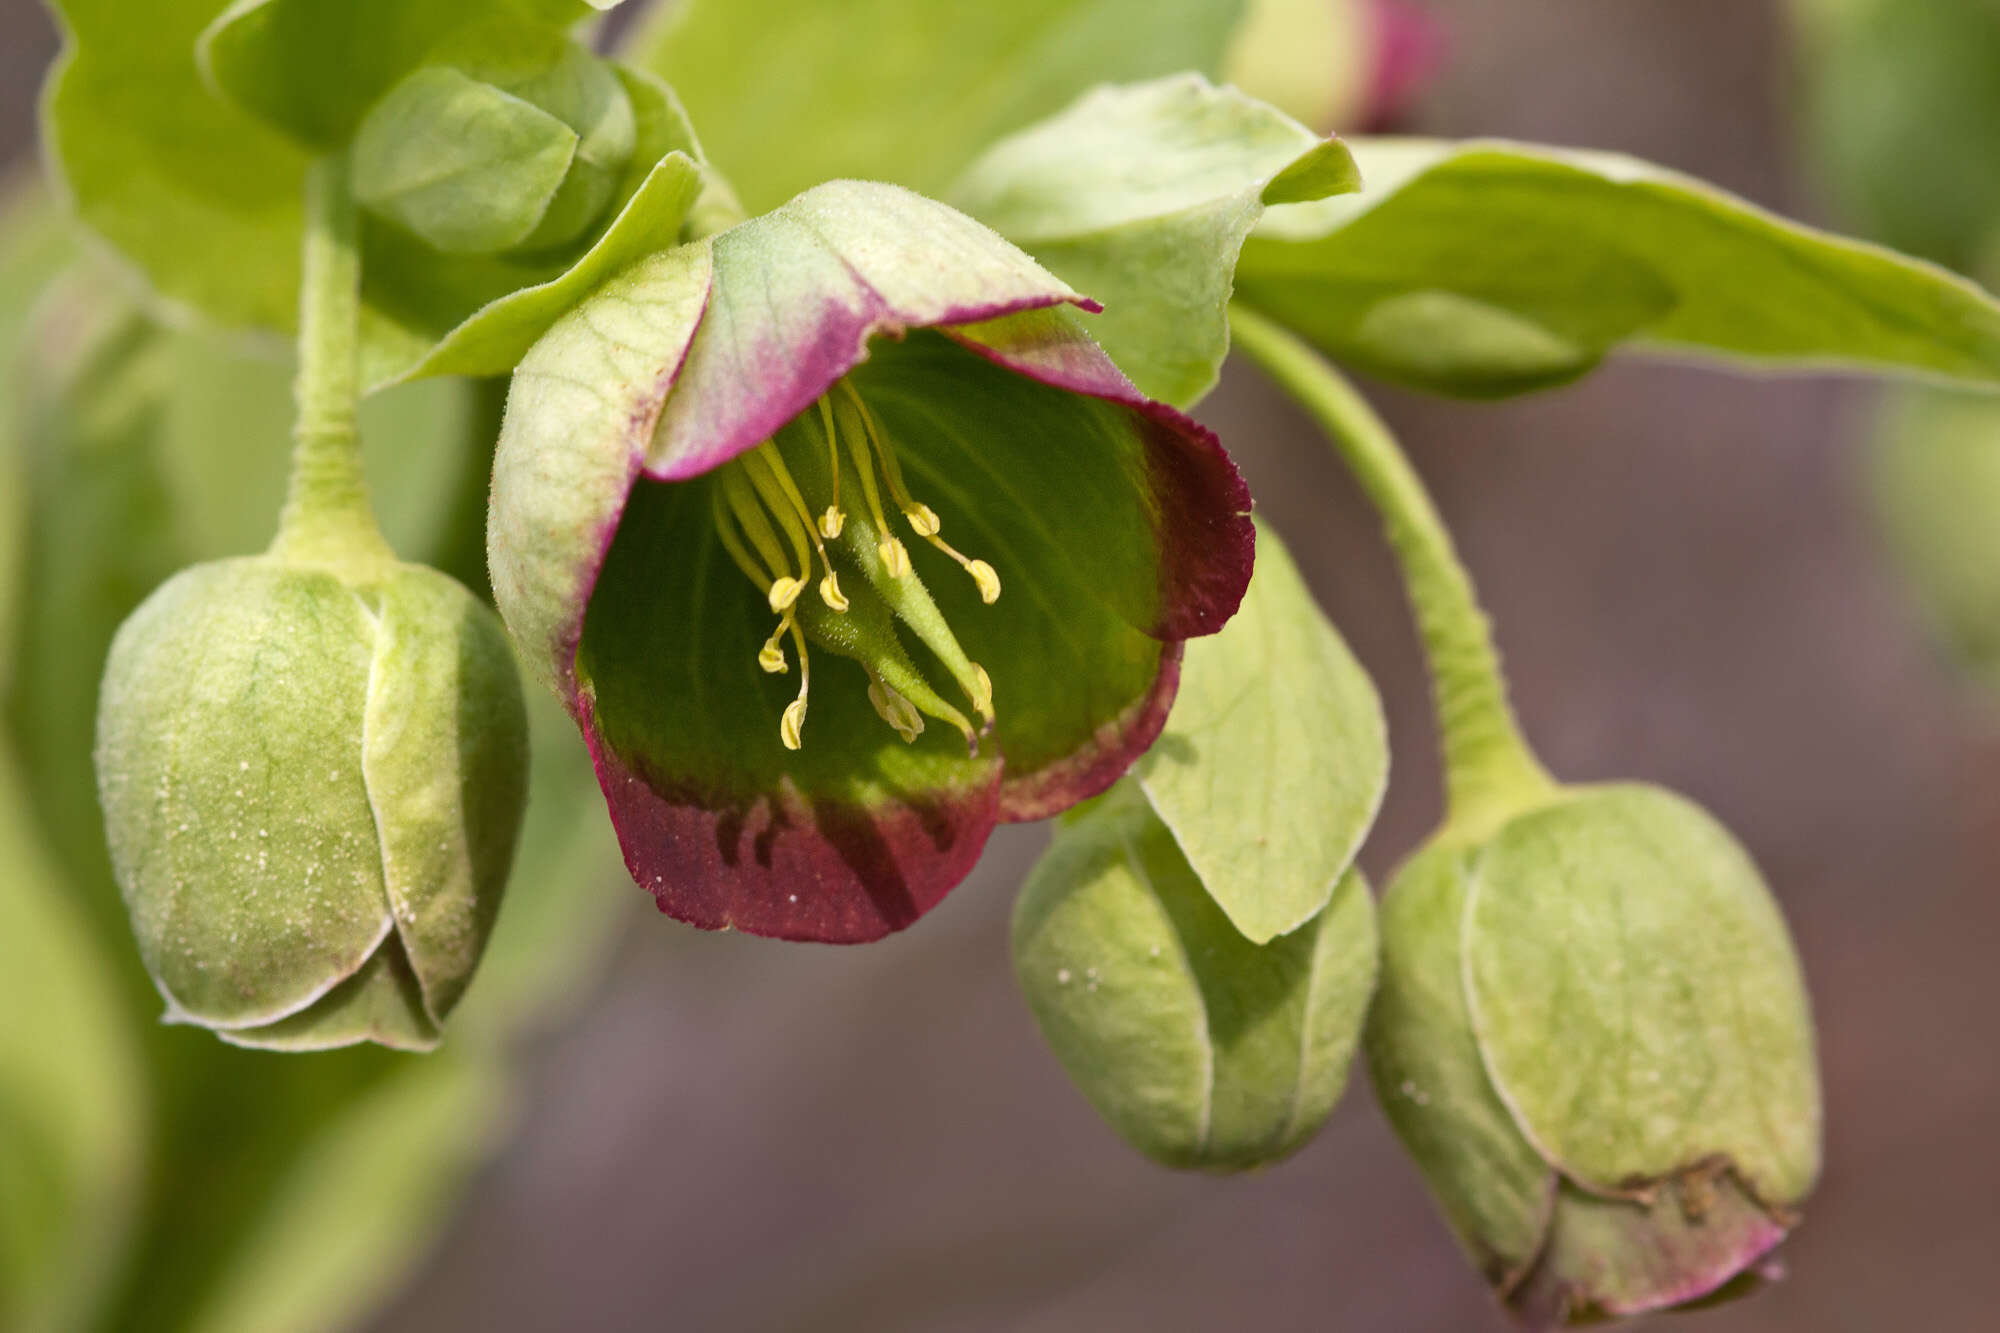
(923, 520)
(781, 496)
(750, 516)
(834, 519)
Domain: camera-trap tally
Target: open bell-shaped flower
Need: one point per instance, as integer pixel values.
(843, 542)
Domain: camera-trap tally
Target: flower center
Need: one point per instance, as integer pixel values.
(781, 520)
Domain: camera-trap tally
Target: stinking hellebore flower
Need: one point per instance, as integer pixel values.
(860, 427)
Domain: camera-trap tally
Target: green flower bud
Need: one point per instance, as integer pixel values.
(512, 140)
(1593, 1036)
(312, 783)
(1200, 1048)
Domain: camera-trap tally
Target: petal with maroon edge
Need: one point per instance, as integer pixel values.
(580, 413)
(801, 292)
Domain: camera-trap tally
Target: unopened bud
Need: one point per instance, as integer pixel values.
(1593, 1036)
(1200, 1048)
(312, 789)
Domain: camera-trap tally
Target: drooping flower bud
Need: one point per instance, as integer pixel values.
(312, 783)
(1199, 1047)
(1592, 1035)
(511, 140)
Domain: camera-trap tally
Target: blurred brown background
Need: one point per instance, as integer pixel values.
(738, 1135)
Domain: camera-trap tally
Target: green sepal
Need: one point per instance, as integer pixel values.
(1198, 1047)
(1275, 758)
(1487, 268)
(795, 92)
(1636, 998)
(462, 165)
(1141, 197)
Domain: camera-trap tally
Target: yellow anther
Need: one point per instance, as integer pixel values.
(831, 523)
(771, 657)
(784, 592)
(923, 520)
(987, 581)
(982, 698)
(894, 709)
(830, 593)
(895, 557)
(791, 727)
(774, 483)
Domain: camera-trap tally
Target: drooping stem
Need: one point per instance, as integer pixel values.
(1490, 770)
(326, 514)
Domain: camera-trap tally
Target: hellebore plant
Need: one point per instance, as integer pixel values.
(861, 424)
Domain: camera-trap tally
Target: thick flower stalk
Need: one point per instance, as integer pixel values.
(842, 542)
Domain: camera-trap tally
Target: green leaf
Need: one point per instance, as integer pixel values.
(1934, 474)
(1636, 998)
(201, 196)
(1492, 268)
(1200, 1048)
(1141, 196)
(312, 68)
(1901, 111)
(359, 1207)
(72, 1102)
(466, 167)
(794, 92)
(1275, 758)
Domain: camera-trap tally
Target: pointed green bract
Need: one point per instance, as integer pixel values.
(1141, 197)
(1482, 269)
(431, 314)
(794, 92)
(1200, 1048)
(1636, 998)
(1275, 758)
(312, 68)
(469, 168)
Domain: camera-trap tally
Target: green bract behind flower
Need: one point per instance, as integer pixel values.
(1593, 1036)
(312, 782)
(514, 138)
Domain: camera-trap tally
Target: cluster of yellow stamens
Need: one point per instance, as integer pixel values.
(770, 531)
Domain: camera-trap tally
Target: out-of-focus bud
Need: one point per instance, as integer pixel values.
(1593, 1036)
(1200, 1048)
(511, 140)
(312, 784)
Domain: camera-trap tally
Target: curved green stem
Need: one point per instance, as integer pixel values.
(326, 515)
(1490, 770)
